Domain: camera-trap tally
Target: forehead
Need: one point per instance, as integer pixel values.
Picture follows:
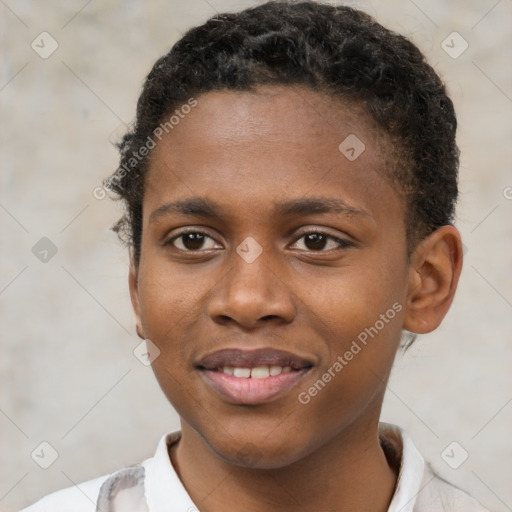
(275, 140)
(283, 113)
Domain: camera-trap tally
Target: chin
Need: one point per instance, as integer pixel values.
(252, 454)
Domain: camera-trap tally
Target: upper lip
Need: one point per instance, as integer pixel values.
(238, 358)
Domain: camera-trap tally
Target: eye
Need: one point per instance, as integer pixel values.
(193, 241)
(321, 242)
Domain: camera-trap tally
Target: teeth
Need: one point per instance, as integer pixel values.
(275, 370)
(258, 372)
(242, 372)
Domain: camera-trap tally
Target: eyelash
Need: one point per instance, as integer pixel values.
(343, 244)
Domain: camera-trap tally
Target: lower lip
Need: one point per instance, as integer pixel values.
(239, 390)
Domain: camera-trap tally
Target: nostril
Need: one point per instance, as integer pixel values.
(224, 319)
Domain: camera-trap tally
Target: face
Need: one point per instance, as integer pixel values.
(273, 272)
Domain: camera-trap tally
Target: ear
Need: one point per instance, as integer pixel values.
(435, 267)
(133, 283)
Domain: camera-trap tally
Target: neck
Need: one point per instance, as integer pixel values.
(338, 476)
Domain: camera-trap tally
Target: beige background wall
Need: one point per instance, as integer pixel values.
(68, 375)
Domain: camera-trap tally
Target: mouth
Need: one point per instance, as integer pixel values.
(252, 377)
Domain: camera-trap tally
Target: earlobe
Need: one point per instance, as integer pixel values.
(133, 283)
(435, 268)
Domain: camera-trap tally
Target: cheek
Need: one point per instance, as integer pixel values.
(353, 298)
(361, 326)
(359, 313)
(168, 295)
(168, 302)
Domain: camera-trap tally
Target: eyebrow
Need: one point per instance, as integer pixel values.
(317, 205)
(192, 206)
(203, 207)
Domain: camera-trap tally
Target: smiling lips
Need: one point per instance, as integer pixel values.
(252, 377)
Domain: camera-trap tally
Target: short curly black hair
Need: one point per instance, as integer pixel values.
(337, 50)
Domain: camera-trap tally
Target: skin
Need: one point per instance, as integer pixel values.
(247, 152)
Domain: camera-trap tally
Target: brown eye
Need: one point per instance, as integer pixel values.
(320, 242)
(315, 241)
(193, 241)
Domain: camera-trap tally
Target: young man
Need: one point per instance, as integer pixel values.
(290, 185)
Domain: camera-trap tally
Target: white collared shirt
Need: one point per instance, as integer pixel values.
(154, 486)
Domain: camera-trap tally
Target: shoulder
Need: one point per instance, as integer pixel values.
(419, 488)
(97, 494)
(86, 496)
(438, 495)
(78, 498)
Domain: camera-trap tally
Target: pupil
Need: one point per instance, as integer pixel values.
(315, 241)
(193, 241)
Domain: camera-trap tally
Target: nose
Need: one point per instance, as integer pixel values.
(251, 294)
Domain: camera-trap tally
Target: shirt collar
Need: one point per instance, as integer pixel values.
(163, 486)
(412, 467)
